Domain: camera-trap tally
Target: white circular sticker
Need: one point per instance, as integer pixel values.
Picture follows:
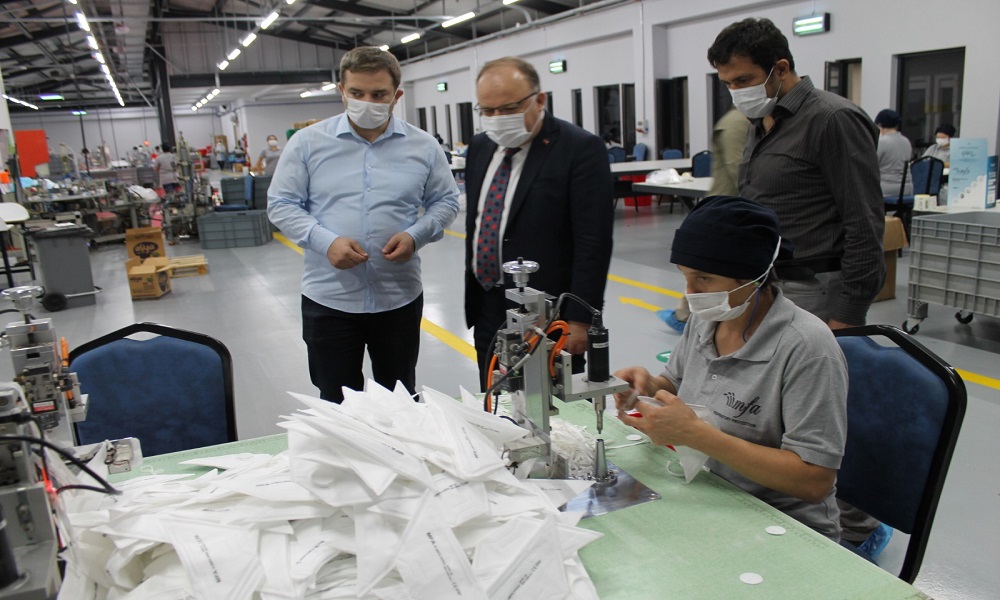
(751, 578)
(633, 437)
(775, 530)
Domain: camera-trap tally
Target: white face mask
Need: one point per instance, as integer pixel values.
(272, 143)
(943, 141)
(714, 306)
(508, 130)
(368, 115)
(753, 101)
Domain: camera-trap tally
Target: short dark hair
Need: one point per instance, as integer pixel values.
(523, 66)
(760, 40)
(947, 129)
(371, 59)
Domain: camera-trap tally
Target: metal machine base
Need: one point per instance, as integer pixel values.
(623, 491)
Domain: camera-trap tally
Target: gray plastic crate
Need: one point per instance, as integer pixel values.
(234, 229)
(955, 262)
(233, 190)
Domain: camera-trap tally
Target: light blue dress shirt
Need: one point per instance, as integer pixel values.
(331, 182)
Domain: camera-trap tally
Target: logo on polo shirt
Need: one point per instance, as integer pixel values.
(741, 407)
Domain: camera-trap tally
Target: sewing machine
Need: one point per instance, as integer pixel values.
(533, 369)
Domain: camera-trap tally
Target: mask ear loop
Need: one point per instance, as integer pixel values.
(760, 280)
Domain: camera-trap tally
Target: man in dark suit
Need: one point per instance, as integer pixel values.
(539, 188)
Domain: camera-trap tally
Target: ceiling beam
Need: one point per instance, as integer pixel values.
(220, 21)
(256, 78)
(31, 37)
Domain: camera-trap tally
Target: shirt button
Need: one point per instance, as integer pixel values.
(369, 168)
(715, 376)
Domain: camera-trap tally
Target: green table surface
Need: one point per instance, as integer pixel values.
(693, 543)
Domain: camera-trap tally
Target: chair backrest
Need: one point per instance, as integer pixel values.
(640, 151)
(926, 173)
(173, 391)
(701, 164)
(669, 153)
(616, 154)
(904, 410)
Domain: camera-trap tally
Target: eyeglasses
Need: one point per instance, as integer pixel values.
(508, 109)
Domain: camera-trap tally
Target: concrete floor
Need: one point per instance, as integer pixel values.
(250, 301)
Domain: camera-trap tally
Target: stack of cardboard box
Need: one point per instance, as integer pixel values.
(147, 263)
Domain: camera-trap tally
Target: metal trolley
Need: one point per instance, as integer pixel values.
(955, 262)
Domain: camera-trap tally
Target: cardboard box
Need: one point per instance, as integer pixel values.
(149, 278)
(893, 240)
(145, 242)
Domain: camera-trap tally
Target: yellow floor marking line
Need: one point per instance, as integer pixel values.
(645, 286)
(971, 377)
(639, 303)
(287, 242)
(456, 343)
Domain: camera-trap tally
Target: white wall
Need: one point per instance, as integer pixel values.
(664, 38)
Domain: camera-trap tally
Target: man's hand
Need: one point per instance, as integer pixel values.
(576, 343)
(399, 248)
(345, 253)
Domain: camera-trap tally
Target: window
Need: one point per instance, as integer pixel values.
(843, 77)
(465, 129)
(929, 93)
(578, 108)
(422, 118)
(447, 120)
(548, 103)
(434, 119)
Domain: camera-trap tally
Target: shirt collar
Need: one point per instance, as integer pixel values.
(342, 127)
(793, 100)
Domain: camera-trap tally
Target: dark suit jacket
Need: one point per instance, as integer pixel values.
(561, 215)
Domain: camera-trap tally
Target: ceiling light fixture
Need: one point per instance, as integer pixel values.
(222, 65)
(79, 113)
(99, 57)
(305, 94)
(233, 54)
(248, 39)
(384, 47)
(21, 102)
(289, 2)
(50, 97)
(328, 87)
(81, 19)
(271, 18)
(508, 2)
(459, 19)
(410, 38)
(216, 91)
(92, 42)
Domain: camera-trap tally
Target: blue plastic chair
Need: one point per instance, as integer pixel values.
(926, 173)
(701, 164)
(616, 155)
(640, 151)
(174, 391)
(904, 411)
(670, 153)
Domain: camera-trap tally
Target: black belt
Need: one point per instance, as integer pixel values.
(801, 270)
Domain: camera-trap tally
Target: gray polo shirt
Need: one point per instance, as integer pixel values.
(894, 152)
(786, 388)
(817, 169)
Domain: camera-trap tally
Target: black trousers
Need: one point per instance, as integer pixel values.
(336, 342)
(492, 317)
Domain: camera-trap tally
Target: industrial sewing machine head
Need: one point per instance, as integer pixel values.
(533, 368)
(51, 391)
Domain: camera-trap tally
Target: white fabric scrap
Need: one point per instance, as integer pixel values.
(378, 498)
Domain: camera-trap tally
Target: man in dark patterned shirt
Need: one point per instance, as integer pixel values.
(811, 158)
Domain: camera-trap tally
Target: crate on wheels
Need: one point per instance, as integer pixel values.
(955, 262)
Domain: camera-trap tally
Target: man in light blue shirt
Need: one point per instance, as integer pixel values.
(361, 193)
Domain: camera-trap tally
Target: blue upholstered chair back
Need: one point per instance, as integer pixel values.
(904, 410)
(616, 154)
(640, 151)
(701, 164)
(670, 153)
(174, 391)
(927, 173)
